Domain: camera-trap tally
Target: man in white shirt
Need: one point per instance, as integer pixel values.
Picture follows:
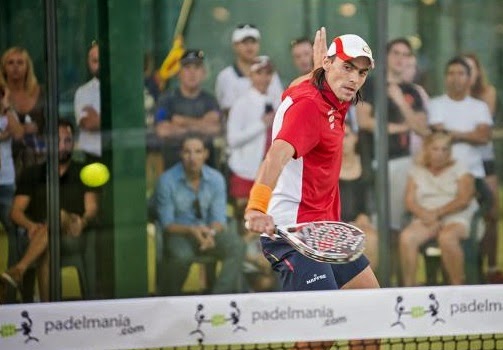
(234, 80)
(467, 119)
(87, 107)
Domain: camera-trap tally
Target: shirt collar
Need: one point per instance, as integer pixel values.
(329, 96)
(183, 177)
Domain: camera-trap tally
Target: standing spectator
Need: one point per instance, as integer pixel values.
(28, 100)
(10, 129)
(467, 119)
(301, 50)
(409, 75)
(234, 80)
(354, 192)
(79, 206)
(87, 107)
(190, 200)
(483, 90)
(187, 108)
(406, 112)
(249, 133)
(440, 196)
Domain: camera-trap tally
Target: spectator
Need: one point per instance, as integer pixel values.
(406, 112)
(249, 134)
(234, 80)
(79, 206)
(467, 119)
(409, 75)
(10, 129)
(354, 192)
(27, 98)
(87, 107)
(301, 50)
(440, 196)
(190, 201)
(186, 109)
(483, 90)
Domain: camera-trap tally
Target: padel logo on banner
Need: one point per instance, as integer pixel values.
(432, 310)
(232, 319)
(8, 330)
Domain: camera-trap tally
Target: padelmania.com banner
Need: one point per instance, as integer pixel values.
(257, 318)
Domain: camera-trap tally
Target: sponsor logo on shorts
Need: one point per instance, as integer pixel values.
(316, 278)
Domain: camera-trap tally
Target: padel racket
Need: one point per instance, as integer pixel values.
(326, 241)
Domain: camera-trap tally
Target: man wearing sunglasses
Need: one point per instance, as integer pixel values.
(190, 200)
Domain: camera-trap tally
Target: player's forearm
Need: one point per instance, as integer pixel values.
(278, 156)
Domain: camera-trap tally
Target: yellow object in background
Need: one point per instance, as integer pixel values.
(94, 174)
(171, 64)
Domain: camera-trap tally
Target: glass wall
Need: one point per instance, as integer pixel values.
(121, 98)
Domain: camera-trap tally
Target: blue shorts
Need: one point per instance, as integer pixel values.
(299, 273)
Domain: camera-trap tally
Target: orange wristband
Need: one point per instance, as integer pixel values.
(260, 195)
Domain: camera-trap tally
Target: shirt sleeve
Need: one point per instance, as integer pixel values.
(218, 207)
(164, 202)
(301, 127)
(434, 114)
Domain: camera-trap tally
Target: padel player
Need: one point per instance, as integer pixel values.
(298, 179)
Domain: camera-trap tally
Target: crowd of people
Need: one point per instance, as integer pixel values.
(208, 146)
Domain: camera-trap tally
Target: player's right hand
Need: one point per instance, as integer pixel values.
(258, 222)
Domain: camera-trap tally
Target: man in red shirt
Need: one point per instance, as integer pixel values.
(298, 180)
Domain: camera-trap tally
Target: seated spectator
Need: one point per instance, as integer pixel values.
(190, 200)
(249, 134)
(440, 195)
(79, 206)
(301, 50)
(187, 109)
(27, 97)
(354, 192)
(483, 90)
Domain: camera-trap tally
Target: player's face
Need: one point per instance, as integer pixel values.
(457, 80)
(302, 55)
(191, 76)
(15, 66)
(345, 78)
(398, 56)
(193, 155)
(65, 144)
(261, 79)
(247, 49)
(93, 60)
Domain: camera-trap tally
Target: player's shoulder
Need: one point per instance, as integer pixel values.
(226, 73)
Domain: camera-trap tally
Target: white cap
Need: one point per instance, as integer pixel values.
(245, 31)
(350, 46)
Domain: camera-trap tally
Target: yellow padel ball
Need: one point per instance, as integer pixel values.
(94, 174)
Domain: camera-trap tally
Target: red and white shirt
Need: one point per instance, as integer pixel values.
(312, 121)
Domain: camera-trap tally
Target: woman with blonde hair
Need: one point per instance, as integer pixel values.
(440, 195)
(27, 99)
